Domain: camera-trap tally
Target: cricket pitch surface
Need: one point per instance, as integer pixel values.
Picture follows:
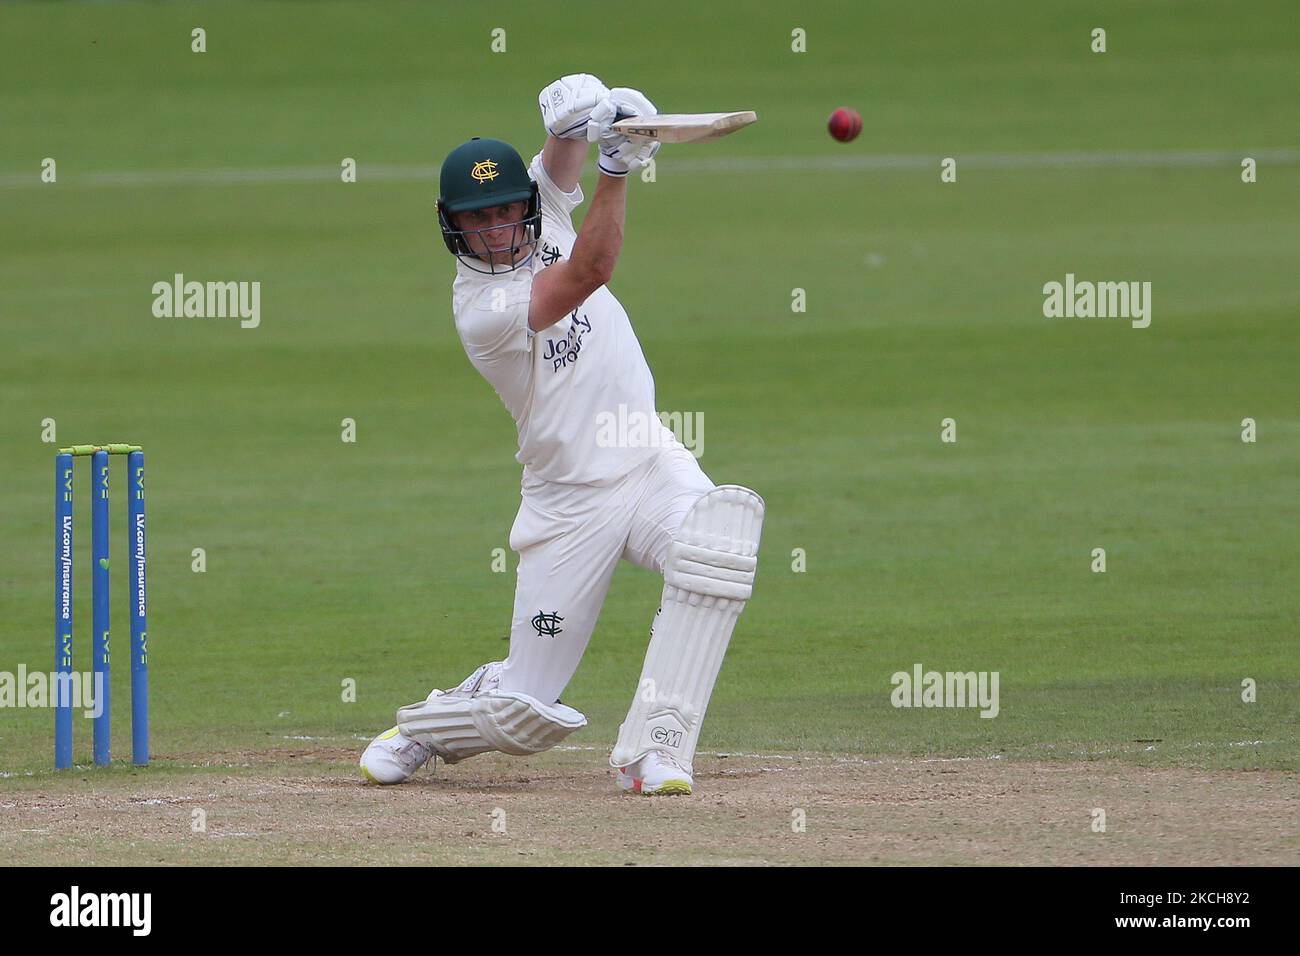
(562, 808)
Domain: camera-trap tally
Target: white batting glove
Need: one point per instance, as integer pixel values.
(566, 104)
(618, 153)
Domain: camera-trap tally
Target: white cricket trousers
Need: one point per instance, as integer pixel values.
(569, 539)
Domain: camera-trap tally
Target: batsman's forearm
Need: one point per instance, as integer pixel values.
(563, 160)
(600, 241)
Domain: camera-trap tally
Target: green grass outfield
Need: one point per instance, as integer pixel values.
(371, 561)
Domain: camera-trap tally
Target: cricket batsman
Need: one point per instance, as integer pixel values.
(535, 314)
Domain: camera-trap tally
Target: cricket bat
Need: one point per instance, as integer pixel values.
(685, 127)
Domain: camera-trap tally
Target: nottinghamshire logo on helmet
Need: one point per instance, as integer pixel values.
(484, 171)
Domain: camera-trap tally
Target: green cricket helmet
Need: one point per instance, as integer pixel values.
(479, 174)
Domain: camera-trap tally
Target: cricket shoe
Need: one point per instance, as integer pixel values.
(393, 757)
(655, 774)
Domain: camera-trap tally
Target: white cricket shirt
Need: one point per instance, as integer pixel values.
(563, 384)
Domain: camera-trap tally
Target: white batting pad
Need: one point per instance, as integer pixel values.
(708, 577)
(474, 718)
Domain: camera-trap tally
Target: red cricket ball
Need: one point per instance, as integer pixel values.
(845, 124)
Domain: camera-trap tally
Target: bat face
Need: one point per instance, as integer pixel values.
(685, 127)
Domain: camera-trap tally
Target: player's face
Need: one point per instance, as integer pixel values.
(493, 232)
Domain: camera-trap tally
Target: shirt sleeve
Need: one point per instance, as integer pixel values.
(493, 324)
(557, 205)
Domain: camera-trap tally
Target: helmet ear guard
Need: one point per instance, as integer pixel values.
(453, 237)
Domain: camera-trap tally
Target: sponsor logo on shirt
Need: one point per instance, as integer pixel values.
(564, 352)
